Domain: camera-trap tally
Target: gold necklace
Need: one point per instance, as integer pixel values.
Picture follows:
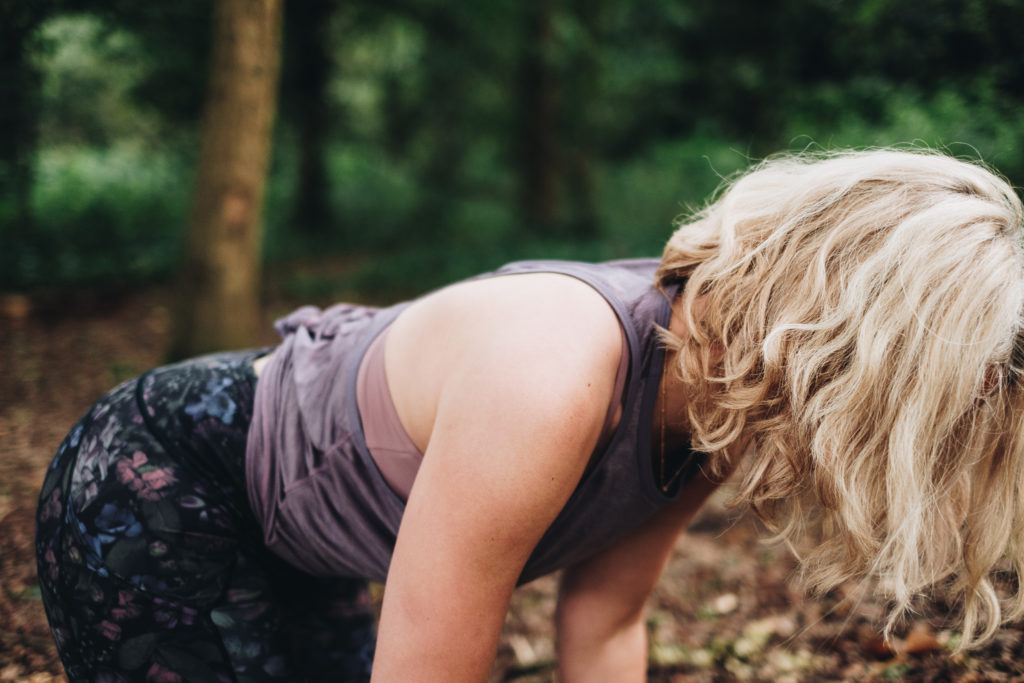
(662, 484)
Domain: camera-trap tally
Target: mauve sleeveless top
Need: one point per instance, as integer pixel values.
(318, 495)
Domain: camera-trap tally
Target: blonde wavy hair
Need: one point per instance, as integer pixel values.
(860, 315)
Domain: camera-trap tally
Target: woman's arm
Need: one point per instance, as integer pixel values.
(601, 631)
(524, 390)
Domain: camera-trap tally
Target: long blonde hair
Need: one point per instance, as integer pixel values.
(861, 316)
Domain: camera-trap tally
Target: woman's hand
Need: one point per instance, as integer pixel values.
(522, 388)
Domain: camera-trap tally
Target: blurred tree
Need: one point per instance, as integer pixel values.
(19, 113)
(218, 300)
(178, 53)
(538, 138)
(579, 125)
(306, 73)
(464, 56)
(746, 64)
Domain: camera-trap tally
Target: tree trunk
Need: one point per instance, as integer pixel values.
(578, 127)
(306, 26)
(19, 91)
(539, 141)
(218, 301)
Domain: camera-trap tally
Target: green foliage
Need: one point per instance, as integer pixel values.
(416, 130)
(974, 124)
(643, 197)
(103, 216)
(362, 181)
(89, 74)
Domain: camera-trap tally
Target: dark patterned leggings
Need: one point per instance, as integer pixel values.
(150, 564)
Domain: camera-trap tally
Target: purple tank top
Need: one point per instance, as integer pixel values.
(314, 487)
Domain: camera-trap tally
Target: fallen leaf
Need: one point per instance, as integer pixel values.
(921, 639)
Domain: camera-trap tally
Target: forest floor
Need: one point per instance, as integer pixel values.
(726, 609)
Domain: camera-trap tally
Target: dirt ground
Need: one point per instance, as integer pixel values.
(725, 609)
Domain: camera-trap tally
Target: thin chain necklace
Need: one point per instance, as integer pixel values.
(662, 483)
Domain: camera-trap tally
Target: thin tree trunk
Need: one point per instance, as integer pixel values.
(539, 141)
(579, 133)
(19, 91)
(310, 76)
(218, 304)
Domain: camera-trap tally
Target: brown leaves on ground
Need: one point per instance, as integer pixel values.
(724, 611)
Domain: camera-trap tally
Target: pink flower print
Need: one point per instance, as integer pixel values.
(149, 484)
(52, 507)
(126, 606)
(170, 614)
(154, 481)
(158, 674)
(126, 473)
(109, 630)
(128, 476)
(52, 570)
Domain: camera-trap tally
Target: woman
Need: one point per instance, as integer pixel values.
(850, 326)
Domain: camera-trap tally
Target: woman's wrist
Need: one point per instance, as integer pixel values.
(618, 655)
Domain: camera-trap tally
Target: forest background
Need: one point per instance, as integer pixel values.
(419, 141)
(425, 140)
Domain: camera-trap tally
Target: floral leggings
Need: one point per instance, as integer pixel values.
(150, 563)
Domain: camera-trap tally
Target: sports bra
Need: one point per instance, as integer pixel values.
(391, 448)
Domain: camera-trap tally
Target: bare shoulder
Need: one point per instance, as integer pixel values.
(545, 312)
(551, 336)
(546, 299)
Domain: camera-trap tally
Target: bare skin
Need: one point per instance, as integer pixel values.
(507, 405)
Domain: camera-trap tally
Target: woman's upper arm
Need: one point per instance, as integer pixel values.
(516, 417)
